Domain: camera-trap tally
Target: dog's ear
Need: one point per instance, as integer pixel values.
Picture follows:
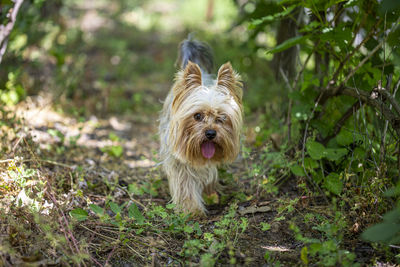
(230, 80)
(187, 80)
(191, 76)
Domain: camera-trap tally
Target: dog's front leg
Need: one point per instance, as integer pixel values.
(186, 190)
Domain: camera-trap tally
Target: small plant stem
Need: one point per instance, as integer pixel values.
(132, 199)
(383, 140)
(289, 118)
(304, 148)
(66, 228)
(365, 97)
(110, 254)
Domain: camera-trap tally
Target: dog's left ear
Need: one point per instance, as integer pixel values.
(229, 79)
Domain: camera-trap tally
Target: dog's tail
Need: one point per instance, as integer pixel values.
(197, 52)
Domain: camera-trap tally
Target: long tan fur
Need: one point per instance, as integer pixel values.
(181, 135)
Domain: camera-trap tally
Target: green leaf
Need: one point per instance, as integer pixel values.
(134, 212)
(197, 228)
(135, 189)
(317, 176)
(303, 255)
(6, 2)
(79, 214)
(244, 224)
(392, 216)
(310, 163)
(56, 133)
(335, 153)
(170, 206)
(338, 34)
(267, 256)
(359, 153)
(381, 232)
(315, 248)
(116, 151)
(188, 229)
(113, 137)
(265, 226)
(392, 192)
(389, 5)
(333, 183)
(271, 18)
(114, 207)
(287, 44)
(344, 138)
(96, 209)
(297, 170)
(315, 150)
(207, 259)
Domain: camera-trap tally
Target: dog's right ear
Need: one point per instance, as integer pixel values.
(191, 75)
(187, 80)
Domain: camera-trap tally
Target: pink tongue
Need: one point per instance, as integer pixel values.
(208, 149)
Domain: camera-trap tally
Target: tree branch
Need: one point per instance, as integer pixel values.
(5, 30)
(372, 100)
(391, 99)
(339, 124)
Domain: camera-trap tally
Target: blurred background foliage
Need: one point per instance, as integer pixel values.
(321, 80)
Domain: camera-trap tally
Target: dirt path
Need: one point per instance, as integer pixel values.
(69, 146)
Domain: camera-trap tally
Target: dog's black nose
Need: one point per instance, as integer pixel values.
(210, 134)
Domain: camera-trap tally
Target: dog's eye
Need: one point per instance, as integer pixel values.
(198, 117)
(220, 119)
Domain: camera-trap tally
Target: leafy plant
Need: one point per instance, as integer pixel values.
(113, 150)
(387, 231)
(325, 251)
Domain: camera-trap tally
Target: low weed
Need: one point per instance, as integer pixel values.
(327, 250)
(201, 243)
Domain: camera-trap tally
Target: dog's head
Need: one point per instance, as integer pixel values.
(206, 116)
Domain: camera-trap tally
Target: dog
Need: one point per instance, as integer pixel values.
(200, 126)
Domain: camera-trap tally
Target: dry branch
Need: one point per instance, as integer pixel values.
(391, 99)
(375, 102)
(5, 30)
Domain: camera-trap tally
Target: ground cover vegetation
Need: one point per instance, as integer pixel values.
(317, 180)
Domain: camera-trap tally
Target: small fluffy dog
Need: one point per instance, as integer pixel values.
(200, 126)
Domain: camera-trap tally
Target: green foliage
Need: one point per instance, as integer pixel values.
(388, 231)
(13, 91)
(288, 44)
(333, 183)
(134, 212)
(113, 150)
(349, 141)
(265, 226)
(199, 243)
(79, 214)
(327, 250)
(317, 151)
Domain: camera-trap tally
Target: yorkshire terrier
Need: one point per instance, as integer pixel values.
(200, 126)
